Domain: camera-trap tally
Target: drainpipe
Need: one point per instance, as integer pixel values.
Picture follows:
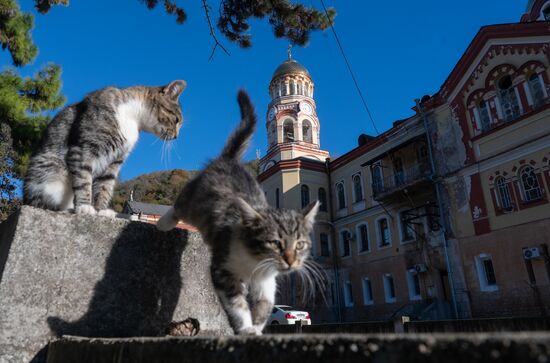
(334, 246)
(440, 206)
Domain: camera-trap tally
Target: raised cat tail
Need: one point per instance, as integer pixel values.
(238, 141)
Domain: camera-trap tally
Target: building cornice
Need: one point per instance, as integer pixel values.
(292, 164)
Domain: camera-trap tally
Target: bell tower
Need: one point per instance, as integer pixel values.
(292, 123)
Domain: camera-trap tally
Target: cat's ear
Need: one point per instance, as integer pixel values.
(174, 89)
(249, 214)
(310, 212)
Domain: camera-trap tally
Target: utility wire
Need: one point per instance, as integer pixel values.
(371, 118)
(348, 65)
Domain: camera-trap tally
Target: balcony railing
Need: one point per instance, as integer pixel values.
(401, 179)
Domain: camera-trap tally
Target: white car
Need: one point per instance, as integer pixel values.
(284, 315)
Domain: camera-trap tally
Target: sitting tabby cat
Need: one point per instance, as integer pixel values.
(85, 145)
(251, 242)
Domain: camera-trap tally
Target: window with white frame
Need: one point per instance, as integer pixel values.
(407, 228)
(536, 87)
(368, 298)
(345, 243)
(348, 294)
(389, 288)
(484, 115)
(341, 195)
(377, 177)
(305, 195)
(508, 98)
(357, 187)
(363, 237)
(384, 235)
(325, 247)
(530, 188)
(486, 273)
(503, 193)
(413, 283)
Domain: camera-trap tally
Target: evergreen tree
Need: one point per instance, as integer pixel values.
(25, 102)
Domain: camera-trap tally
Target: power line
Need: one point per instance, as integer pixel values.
(371, 118)
(348, 65)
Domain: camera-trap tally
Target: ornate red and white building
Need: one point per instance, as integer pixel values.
(447, 213)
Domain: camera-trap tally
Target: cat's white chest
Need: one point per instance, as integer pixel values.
(129, 116)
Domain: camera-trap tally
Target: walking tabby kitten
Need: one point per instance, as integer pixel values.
(251, 242)
(85, 145)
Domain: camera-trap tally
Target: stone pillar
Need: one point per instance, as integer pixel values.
(66, 274)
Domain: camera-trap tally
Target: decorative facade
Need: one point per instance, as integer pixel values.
(447, 213)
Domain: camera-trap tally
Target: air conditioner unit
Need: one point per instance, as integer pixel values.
(420, 267)
(530, 253)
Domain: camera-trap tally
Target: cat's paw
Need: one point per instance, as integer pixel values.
(85, 209)
(109, 213)
(249, 331)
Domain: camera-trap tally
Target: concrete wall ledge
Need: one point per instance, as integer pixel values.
(388, 348)
(67, 274)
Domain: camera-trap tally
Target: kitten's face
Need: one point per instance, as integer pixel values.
(167, 110)
(281, 237)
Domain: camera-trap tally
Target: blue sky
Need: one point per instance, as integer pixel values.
(400, 50)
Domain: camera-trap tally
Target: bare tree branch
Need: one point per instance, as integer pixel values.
(212, 32)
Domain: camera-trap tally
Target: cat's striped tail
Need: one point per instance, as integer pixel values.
(238, 141)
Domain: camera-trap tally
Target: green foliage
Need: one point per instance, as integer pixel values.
(161, 187)
(24, 103)
(156, 188)
(288, 20)
(15, 33)
(8, 197)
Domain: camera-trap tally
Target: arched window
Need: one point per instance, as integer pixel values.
(357, 187)
(300, 88)
(307, 131)
(277, 201)
(340, 194)
(530, 187)
(323, 199)
(503, 193)
(508, 98)
(377, 178)
(305, 195)
(384, 236)
(288, 130)
(536, 88)
(484, 116)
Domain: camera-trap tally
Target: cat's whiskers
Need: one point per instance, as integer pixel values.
(319, 275)
(262, 265)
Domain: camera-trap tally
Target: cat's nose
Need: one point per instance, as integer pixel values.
(290, 257)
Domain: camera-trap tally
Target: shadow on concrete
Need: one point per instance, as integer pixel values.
(139, 291)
